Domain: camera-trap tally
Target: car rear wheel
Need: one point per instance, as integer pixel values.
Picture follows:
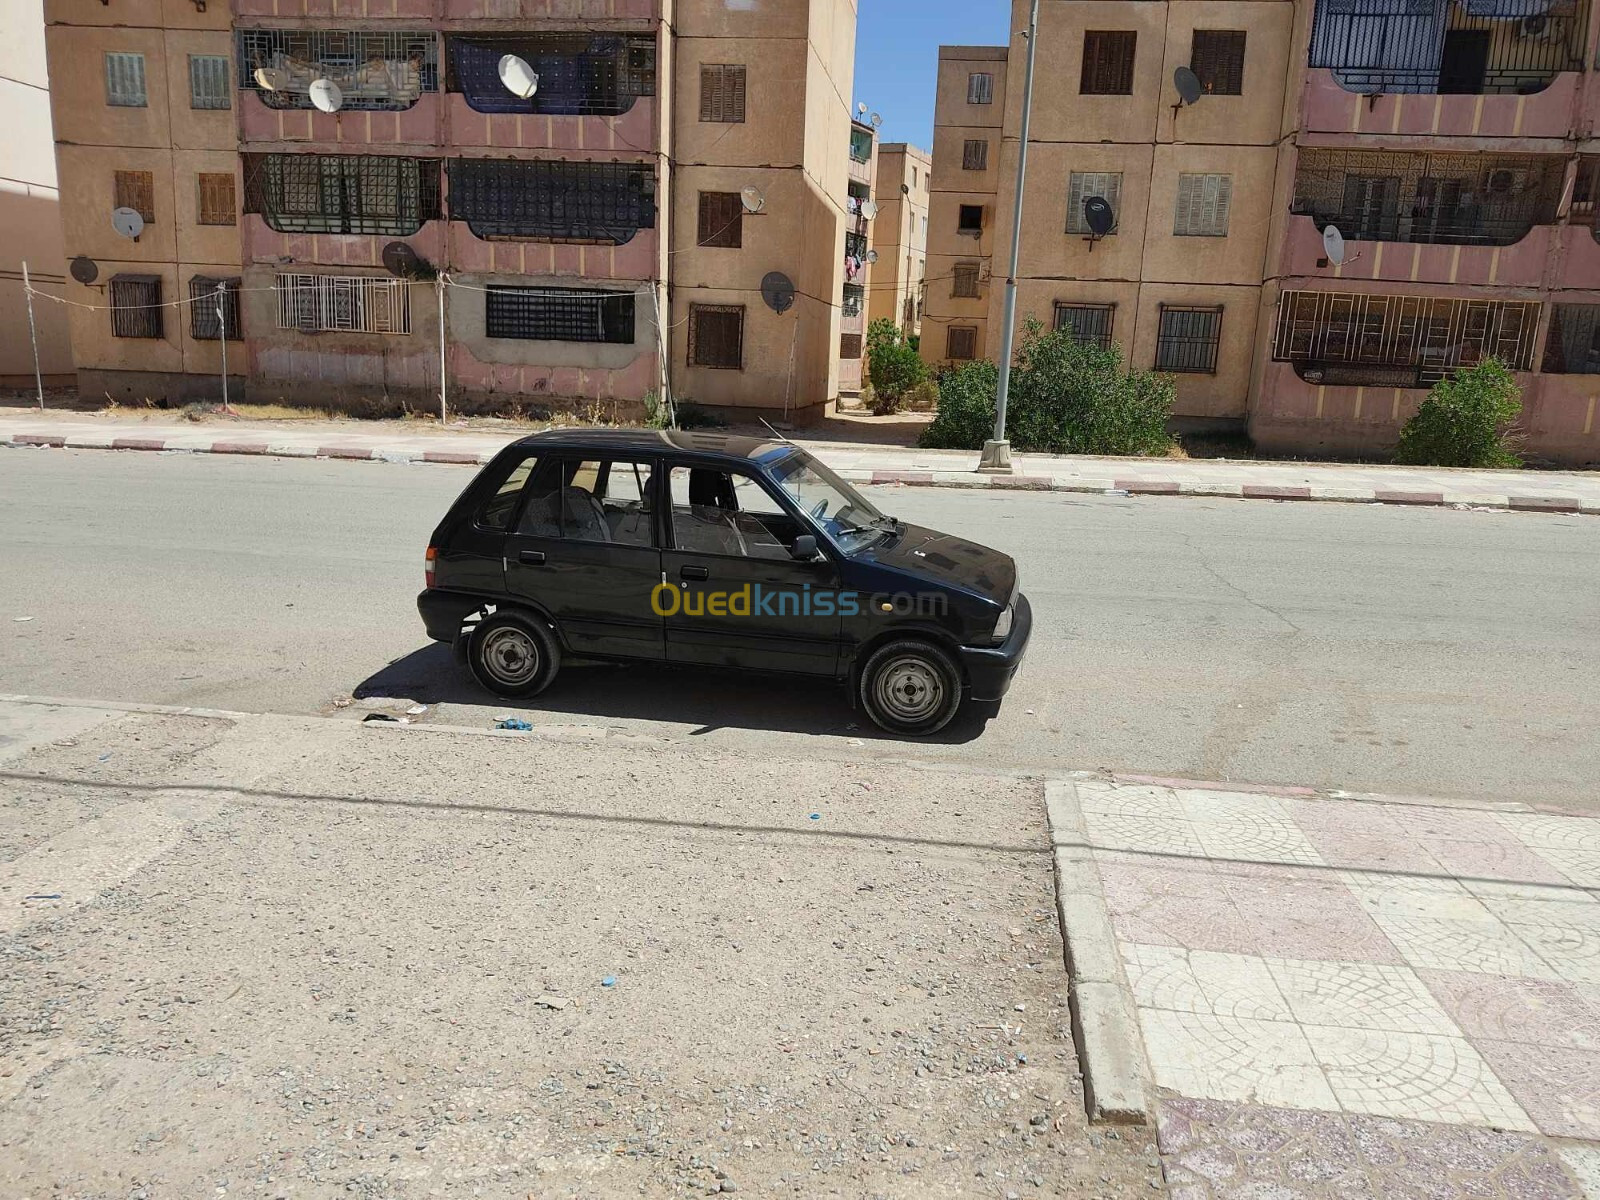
(513, 655)
(910, 687)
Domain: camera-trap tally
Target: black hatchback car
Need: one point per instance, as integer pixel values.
(720, 551)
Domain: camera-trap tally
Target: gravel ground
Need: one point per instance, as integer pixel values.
(299, 957)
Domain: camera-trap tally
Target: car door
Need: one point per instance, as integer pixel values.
(584, 549)
(742, 599)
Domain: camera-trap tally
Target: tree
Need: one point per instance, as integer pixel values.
(893, 365)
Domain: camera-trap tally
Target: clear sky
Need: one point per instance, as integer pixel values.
(897, 56)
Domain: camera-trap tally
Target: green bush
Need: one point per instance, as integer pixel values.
(1066, 398)
(893, 365)
(1465, 421)
(924, 397)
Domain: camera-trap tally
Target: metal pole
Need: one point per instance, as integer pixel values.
(666, 366)
(444, 414)
(997, 452)
(33, 334)
(222, 327)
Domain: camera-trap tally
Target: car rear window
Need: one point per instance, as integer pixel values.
(497, 511)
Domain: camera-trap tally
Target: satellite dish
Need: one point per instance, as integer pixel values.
(905, 189)
(752, 199)
(869, 209)
(1098, 216)
(519, 78)
(325, 94)
(127, 222)
(1333, 245)
(877, 119)
(272, 79)
(862, 109)
(777, 289)
(1188, 85)
(400, 260)
(84, 270)
(871, 256)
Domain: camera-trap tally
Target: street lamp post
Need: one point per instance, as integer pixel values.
(996, 455)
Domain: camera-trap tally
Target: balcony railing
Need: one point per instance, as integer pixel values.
(342, 193)
(1348, 339)
(579, 74)
(373, 71)
(549, 200)
(1451, 199)
(860, 145)
(1471, 47)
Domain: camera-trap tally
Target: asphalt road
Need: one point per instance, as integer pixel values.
(1364, 647)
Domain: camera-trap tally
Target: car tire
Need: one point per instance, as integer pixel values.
(910, 687)
(512, 655)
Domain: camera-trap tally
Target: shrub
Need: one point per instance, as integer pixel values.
(924, 397)
(893, 365)
(1066, 398)
(1465, 421)
(965, 418)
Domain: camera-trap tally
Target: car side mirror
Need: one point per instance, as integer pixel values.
(804, 548)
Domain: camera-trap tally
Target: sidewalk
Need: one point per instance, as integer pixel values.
(1342, 995)
(1571, 491)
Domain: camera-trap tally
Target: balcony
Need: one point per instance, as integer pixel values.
(1380, 67)
(392, 79)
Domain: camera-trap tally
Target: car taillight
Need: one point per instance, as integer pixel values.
(427, 573)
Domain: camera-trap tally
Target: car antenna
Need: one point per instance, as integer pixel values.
(774, 432)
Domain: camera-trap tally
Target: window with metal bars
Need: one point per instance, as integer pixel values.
(722, 87)
(1454, 199)
(855, 245)
(342, 193)
(125, 81)
(964, 281)
(136, 190)
(206, 324)
(1216, 56)
(849, 345)
(975, 154)
(208, 81)
(580, 74)
(961, 342)
(343, 304)
(860, 145)
(374, 71)
(559, 314)
(552, 200)
(716, 336)
(853, 301)
(1087, 324)
(1187, 339)
(136, 306)
(1351, 339)
(217, 205)
(980, 88)
(1572, 346)
(721, 219)
(1202, 207)
(1108, 62)
(1081, 185)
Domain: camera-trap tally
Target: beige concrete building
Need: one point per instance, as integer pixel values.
(900, 233)
(600, 238)
(1454, 151)
(30, 220)
(860, 255)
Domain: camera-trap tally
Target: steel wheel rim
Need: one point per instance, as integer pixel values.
(511, 656)
(909, 689)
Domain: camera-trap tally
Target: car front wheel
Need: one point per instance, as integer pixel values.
(910, 687)
(513, 655)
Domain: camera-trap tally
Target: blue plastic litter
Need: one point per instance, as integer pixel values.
(515, 723)
(816, 816)
(609, 981)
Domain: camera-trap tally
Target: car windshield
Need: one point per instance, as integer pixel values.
(845, 514)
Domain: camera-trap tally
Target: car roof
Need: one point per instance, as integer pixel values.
(719, 445)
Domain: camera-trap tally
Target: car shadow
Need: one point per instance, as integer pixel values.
(707, 697)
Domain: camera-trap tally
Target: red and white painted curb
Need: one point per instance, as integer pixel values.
(1551, 503)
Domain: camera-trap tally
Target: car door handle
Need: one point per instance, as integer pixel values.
(534, 558)
(694, 573)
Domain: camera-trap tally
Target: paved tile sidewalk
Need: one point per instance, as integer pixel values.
(1352, 997)
(1571, 491)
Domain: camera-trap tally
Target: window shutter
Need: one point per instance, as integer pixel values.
(722, 91)
(961, 343)
(136, 306)
(136, 190)
(125, 80)
(216, 199)
(980, 88)
(975, 155)
(208, 82)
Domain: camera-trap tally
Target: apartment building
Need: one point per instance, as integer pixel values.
(378, 205)
(861, 207)
(1452, 143)
(900, 234)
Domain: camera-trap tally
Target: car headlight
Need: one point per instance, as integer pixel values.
(1002, 627)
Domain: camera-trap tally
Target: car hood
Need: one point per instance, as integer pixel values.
(946, 559)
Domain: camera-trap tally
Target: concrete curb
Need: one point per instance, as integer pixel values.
(1105, 1026)
(1567, 505)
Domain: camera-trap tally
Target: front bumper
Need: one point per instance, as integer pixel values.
(990, 668)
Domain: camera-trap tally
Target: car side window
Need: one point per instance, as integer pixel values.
(497, 510)
(590, 500)
(729, 513)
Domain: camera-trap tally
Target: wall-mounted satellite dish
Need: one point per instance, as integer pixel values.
(1188, 85)
(1333, 245)
(325, 94)
(752, 199)
(401, 260)
(1097, 215)
(272, 79)
(520, 79)
(905, 189)
(127, 222)
(777, 289)
(876, 119)
(871, 256)
(84, 270)
(869, 209)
